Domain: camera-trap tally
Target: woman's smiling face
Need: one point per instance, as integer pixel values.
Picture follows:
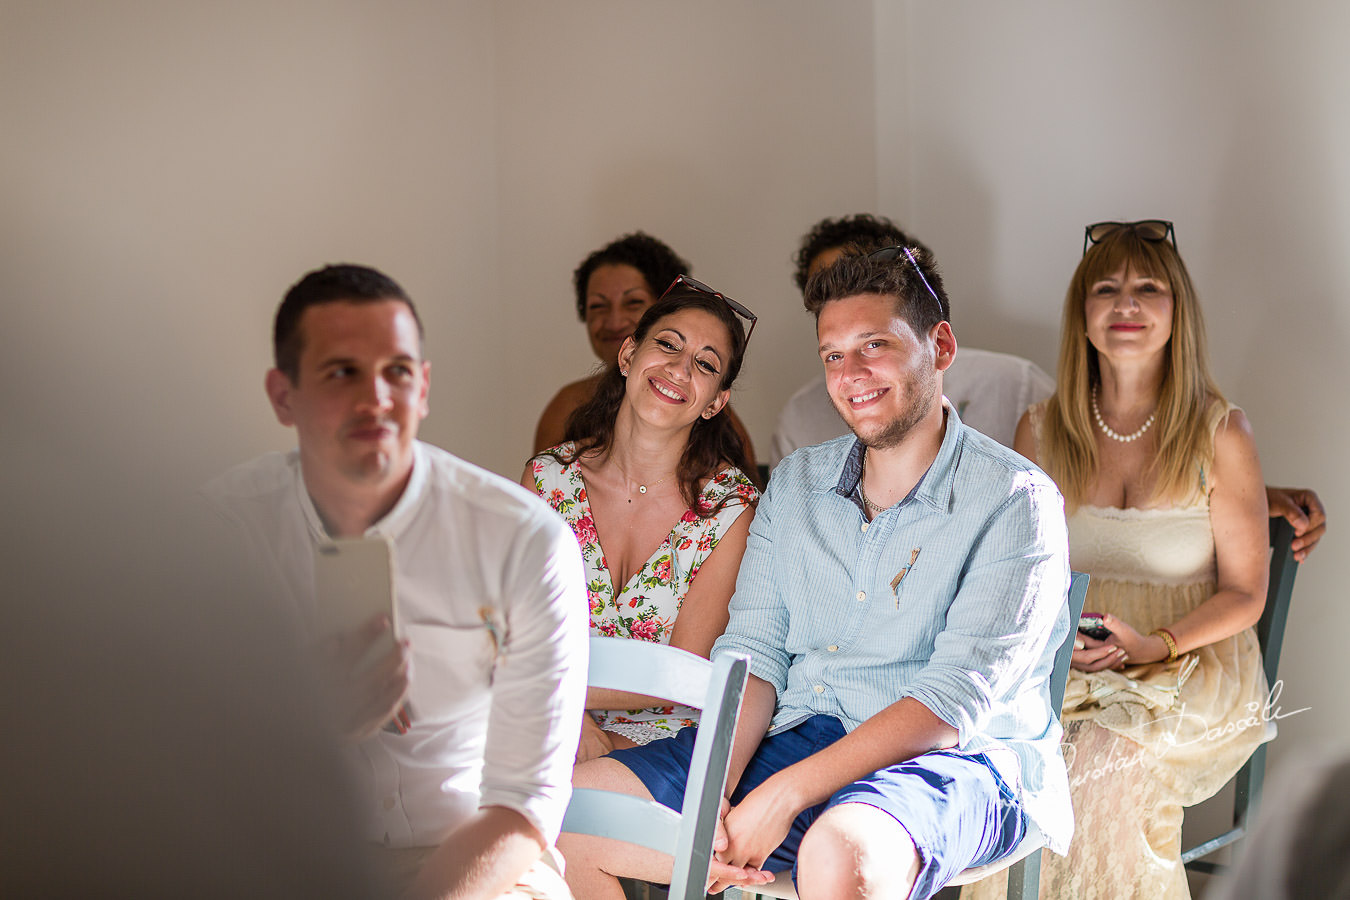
(676, 372)
(1128, 314)
(616, 297)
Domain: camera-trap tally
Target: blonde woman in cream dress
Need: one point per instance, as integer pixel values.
(1167, 512)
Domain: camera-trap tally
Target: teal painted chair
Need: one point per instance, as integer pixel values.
(715, 688)
(1024, 863)
(1250, 779)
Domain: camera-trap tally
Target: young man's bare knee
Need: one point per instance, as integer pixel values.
(856, 850)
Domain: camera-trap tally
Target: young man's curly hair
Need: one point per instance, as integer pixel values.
(863, 232)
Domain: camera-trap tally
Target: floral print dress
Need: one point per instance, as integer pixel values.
(645, 608)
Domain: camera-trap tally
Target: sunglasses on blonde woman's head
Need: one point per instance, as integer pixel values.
(695, 285)
(886, 254)
(1148, 229)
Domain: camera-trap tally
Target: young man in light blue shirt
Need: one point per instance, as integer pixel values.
(902, 597)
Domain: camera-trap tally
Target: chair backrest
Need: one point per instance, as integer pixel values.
(1279, 591)
(714, 687)
(1249, 782)
(1059, 678)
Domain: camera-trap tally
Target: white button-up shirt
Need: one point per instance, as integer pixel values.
(491, 597)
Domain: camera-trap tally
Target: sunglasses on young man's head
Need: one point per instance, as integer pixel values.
(886, 254)
(1148, 229)
(739, 309)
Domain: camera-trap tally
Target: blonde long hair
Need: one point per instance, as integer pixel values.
(1068, 441)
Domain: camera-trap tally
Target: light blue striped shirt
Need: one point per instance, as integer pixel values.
(956, 596)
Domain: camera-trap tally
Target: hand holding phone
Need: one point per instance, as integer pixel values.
(362, 654)
(1091, 625)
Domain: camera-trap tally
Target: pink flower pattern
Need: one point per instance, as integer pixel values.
(646, 607)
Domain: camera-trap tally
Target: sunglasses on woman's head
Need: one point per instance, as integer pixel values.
(1148, 229)
(886, 254)
(695, 285)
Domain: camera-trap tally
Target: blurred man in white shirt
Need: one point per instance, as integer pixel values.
(465, 730)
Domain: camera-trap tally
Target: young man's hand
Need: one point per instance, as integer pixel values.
(756, 826)
(722, 875)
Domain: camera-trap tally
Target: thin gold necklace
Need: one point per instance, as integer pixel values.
(862, 476)
(642, 488)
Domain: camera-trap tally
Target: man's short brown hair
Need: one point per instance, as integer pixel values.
(908, 283)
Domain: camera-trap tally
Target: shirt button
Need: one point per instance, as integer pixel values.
(864, 527)
(388, 803)
(832, 648)
(862, 595)
(820, 689)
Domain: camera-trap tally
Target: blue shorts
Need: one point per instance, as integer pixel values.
(954, 806)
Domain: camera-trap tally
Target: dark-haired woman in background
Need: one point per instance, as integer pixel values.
(614, 286)
(653, 468)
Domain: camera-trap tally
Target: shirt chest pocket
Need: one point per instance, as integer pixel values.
(913, 598)
(451, 668)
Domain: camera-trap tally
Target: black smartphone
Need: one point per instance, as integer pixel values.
(1091, 625)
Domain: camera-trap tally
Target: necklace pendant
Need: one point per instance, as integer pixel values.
(642, 489)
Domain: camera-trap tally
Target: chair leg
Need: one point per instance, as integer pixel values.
(1024, 878)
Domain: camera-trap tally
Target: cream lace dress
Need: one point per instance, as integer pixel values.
(1145, 741)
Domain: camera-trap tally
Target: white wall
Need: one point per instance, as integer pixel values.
(167, 170)
(725, 129)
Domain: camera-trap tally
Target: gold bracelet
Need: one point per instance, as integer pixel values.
(1170, 641)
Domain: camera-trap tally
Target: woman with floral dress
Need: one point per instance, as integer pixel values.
(651, 477)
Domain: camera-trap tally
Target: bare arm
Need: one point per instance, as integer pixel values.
(757, 706)
(481, 858)
(553, 420)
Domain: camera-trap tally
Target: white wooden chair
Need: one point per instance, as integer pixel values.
(685, 678)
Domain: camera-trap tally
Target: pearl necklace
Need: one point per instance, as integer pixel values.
(1112, 433)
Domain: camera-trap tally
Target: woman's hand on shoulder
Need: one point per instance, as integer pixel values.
(1304, 510)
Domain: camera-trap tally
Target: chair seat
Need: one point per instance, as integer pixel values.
(1032, 841)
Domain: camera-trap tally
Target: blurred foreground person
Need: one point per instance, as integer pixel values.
(463, 729)
(162, 737)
